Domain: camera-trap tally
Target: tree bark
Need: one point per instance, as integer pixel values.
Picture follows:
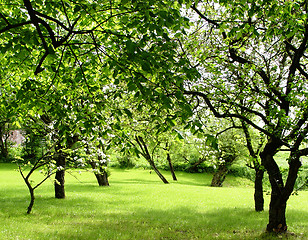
(61, 166)
(258, 195)
(60, 174)
(277, 214)
(277, 207)
(219, 176)
(32, 198)
(3, 144)
(280, 192)
(146, 154)
(101, 176)
(159, 174)
(171, 167)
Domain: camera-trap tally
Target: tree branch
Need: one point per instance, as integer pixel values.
(11, 26)
(226, 115)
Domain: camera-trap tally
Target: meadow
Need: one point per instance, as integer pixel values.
(137, 205)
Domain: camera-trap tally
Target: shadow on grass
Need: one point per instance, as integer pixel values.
(81, 217)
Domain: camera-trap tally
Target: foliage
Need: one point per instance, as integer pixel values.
(33, 146)
(252, 63)
(242, 60)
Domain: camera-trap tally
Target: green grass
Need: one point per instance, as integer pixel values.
(138, 206)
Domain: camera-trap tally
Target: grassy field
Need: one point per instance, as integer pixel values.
(138, 206)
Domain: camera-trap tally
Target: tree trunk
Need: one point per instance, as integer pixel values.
(280, 192)
(101, 176)
(146, 154)
(219, 176)
(4, 150)
(194, 167)
(31, 191)
(105, 178)
(102, 179)
(171, 167)
(32, 198)
(3, 145)
(258, 195)
(277, 207)
(277, 214)
(159, 174)
(60, 174)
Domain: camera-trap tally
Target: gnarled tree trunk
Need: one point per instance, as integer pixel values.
(277, 207)
(280, 192)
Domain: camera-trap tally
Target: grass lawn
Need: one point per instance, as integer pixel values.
(138, 206)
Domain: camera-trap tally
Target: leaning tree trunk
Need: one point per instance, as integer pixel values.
(158, 173)
(60, 174)
(146, 154)
(258, 195)
(171, 167)
(219, 176)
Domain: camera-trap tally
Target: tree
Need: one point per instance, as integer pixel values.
(220, 145)
(96, 157)
(45, 162)
(140, 133)
(80, 49)
(253, 64)
(167, 148)
(230, 148)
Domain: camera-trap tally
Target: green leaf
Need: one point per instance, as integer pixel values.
(130, 46)
(128, 113)
(179, 134)
(146, 67)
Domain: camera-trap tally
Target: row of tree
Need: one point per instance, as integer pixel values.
(79, 67)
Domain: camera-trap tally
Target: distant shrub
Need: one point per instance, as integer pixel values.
(124, 161)
(242, 171)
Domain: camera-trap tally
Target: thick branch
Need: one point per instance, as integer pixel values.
(11, 26)
(298, 125)
(226, 115)
(296, 59)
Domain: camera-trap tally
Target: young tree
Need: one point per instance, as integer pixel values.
(80, 49)
(45, 164)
